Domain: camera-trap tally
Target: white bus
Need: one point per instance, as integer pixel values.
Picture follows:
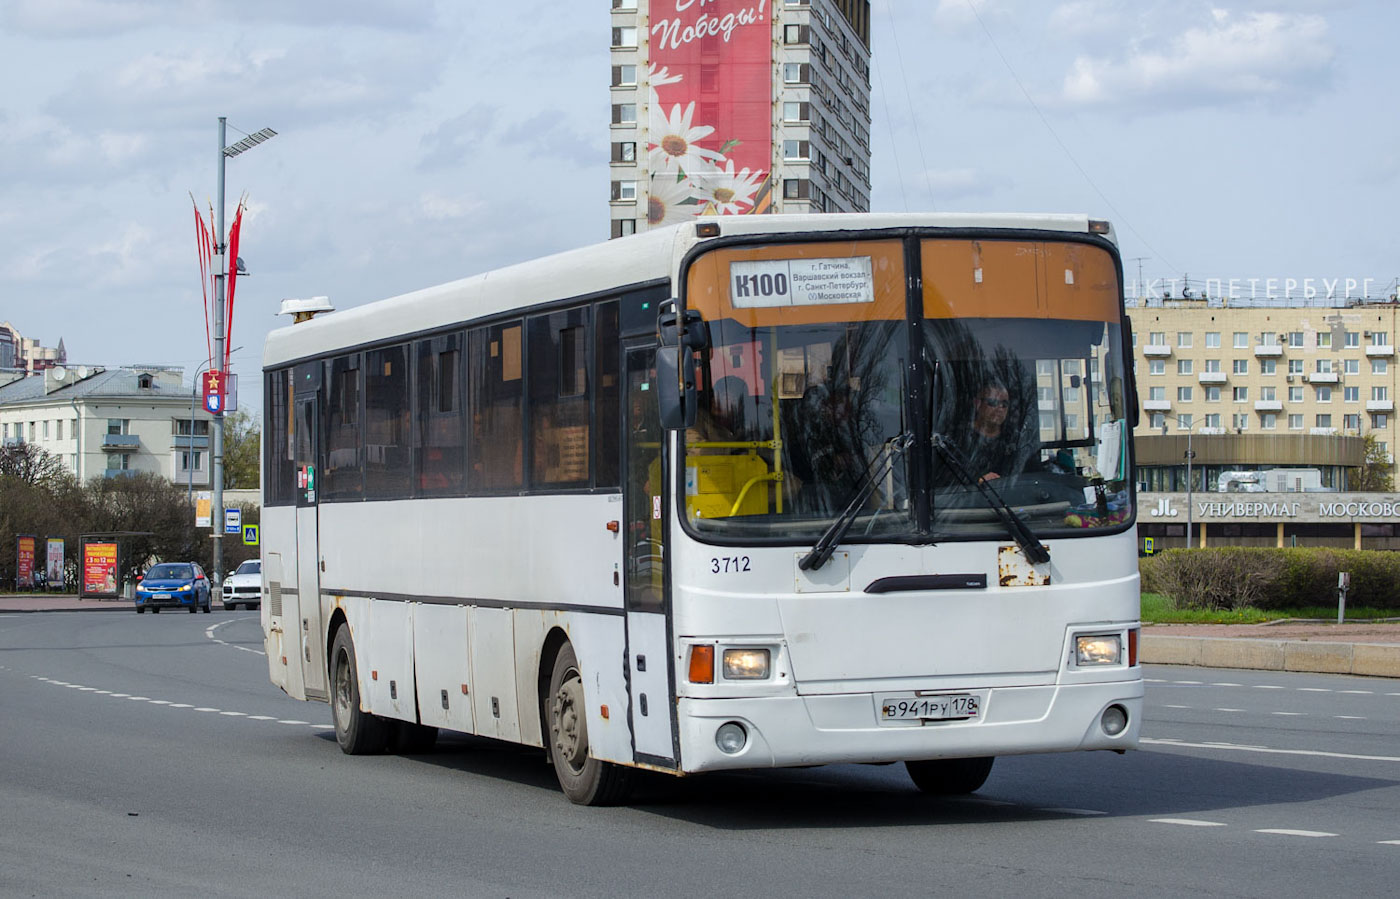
(756, 492)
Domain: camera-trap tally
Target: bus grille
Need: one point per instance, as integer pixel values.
(275, 599)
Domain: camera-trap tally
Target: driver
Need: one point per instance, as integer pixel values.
(993, 448)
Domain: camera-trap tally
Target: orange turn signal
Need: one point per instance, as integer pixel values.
(702, 664)
(1132, 647)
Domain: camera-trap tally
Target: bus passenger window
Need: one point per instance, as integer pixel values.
(387, 471)
(607, 397)
(438, 456)
(342, 476)
(494, 393)
(559, 387)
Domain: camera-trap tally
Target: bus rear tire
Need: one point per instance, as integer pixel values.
(357, 732)
(950, 777)
(584, 779)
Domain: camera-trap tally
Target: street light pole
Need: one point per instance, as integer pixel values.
(1190, 483)
(220, 272)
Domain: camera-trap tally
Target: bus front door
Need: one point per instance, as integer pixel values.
(650, 681)
(307, 619)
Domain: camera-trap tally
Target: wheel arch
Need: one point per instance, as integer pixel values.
(549, 651)
(338, 620)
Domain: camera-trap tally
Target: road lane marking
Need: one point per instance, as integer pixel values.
(1229, 710)
(1314, 690)
(1350, 717)
(1389, 843)
(1267, 687)
(1081, 812)
(1176, 707)
(1358, 692)
(1284, 832)
(1235, 747)
(209, 632)
(1187, 822)
(1222, 684)
(1290, 714)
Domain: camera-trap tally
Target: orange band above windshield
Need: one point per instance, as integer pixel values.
(709, 286)
(1019, 279)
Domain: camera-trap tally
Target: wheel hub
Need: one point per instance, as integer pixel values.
(570, 728)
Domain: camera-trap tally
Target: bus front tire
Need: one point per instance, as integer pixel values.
(357, 731)
(950, 777)
(584, 779)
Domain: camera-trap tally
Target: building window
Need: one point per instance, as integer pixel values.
(624, 190)
(1353, 340)
(191, 461)
(1241, 366)
(1351, 366)
(624, 113)
(1295, 338)
(623, 227)
(1183, 339)
(1157, 338)
(624, 4)
(624, 151)
(796, 149)
(1241, 339)
(1156, 367)
(1295, 422)
(1183, 394)
(1240, 421)
(1324, 339)
(797, 112)
(114, 426)
(1380, 420)
(1268, 421)
(1212, 420)
(1157, 393)
(624, 36)
(1157, 421)
(1380, 338)
(1351, 394)
(1184, 422)
(797, 188)
(1324, 394)
(624, 76)
(1241, 394)
(1295, 366)
(1212, 394)
(1324, 366)
(1351, 422)
(797, 73)
(1268, 394)
(119, 462)
(46, 429)
(1295, 394)
(1379, 366)
(58, 427)
(1268, 366)
(796, 34)
(1324, 420)
(1212, 340)
(1212, 365)
(1183, 366)
(1380, 393)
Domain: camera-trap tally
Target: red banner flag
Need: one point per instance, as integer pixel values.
(232, 280)
(206, 255)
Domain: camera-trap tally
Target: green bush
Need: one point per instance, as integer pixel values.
(1236, 577)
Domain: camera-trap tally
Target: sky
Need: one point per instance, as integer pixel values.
(419, 142)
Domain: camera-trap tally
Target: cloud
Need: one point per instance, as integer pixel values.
(64, 19)
(1268, 57)
(452, 143)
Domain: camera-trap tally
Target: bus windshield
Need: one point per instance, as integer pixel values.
(828, 384)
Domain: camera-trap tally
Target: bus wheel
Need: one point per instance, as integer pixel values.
(584, 779)
(357, 732)
(950, 777)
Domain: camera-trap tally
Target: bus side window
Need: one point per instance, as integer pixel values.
(559, 399)
(438, 417)
(342, 477)
(388, 471)
(494, 393)
(607, 397)
(280, 488)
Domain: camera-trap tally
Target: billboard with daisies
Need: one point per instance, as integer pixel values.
(709, 139)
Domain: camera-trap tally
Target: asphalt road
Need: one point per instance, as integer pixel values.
(150, 756)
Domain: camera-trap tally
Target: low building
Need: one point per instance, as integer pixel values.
(1344, 520)
(109, 422)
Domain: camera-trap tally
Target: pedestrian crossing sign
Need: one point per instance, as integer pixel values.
(250, 535)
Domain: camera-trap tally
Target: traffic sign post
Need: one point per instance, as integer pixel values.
(213, 387)
(250, 535)
(233, 521)
(1147, 546)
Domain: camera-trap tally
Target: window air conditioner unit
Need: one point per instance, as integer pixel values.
(1288, 378)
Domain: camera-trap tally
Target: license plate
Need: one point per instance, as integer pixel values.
(160, 596)
(940, 707)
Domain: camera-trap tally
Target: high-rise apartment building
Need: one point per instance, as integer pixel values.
(733, 107)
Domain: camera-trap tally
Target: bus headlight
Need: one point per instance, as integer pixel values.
(1098, 649)
(745, 664)
(731, 737)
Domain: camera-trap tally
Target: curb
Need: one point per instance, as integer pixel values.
(1363, 659)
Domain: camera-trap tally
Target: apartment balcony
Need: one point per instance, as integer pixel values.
(186, 442)
(1273, 351)
(1323, 377)
(1203, 431)
(1322, 431)
(1268, 405)
(1157, 350)
(1377, 405)
(120, 443)
(1374, 351)
(1212, 377)
(1156, 405)
(118, 472)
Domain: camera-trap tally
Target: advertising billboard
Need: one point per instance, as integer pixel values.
(53, 567)
(709, 127)
(99, 569)
(24, 567)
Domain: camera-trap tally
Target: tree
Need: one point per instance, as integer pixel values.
(1376, 472)
(242, 448)
(147, 503)
(31, 464)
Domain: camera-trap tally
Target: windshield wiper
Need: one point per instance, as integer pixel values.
(1025, 537)
(826, 543)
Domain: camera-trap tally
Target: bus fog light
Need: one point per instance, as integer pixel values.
(1114, 720)
(745, 664)
(731, 737)
(1098, 649)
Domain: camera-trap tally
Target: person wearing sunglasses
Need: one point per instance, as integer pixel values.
(993, 447)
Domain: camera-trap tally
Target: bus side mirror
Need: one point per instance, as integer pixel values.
(675, 387)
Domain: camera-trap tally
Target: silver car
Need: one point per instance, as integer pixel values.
(244, 586)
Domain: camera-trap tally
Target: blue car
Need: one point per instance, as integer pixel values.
(172, 585)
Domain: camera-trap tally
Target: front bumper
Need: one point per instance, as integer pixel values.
(792, 730)
(175, 601)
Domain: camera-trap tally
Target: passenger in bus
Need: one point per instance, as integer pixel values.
(722, 418)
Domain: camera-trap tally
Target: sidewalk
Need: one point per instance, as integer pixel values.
(60, 602)
(1370, 648)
